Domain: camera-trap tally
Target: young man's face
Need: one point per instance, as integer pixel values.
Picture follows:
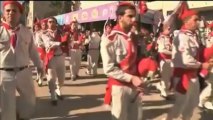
(43, 26)
(74, 26)
(128, 18)
(193, 22)
(11, 13)
(51, 24)
(108, 29)
(167, 30)
(37, 28)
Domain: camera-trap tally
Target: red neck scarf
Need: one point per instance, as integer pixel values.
(118, 28)
(74, 34)
(128, 63)
(183, 28)
(13, 37)
(55, 34)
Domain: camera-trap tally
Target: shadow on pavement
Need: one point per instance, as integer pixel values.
(92, 83)
(91, 77)
(88, 77)
(104, 115)
(152, 113)
(206, 115)
(46, 111)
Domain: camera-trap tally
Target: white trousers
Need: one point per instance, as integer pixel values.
(121, 106)
(166, 73)
(75, 61)
(56, 74)
(23, 83)
(92, 61)
(185, 103)
(207, 93)
(39, 77)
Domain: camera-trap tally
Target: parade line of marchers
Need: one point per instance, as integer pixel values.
(134, 50)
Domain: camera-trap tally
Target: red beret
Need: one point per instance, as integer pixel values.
(16, 3)
(143, 7)
(125, 4)
(188, 13)
(37, 23)
(44, 20)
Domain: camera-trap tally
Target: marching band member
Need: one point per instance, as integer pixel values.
(119, 56)
(54, 59)
(185, 58)
(164, 44)
(16, 49)
(76, 43)
(93, 53)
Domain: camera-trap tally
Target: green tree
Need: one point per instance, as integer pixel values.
(61, 7)
(26, 11)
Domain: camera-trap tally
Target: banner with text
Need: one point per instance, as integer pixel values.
(98, 13)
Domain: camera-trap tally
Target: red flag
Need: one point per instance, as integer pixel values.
(142, 7)
(185, 12)
(36, 20)
(183, 8)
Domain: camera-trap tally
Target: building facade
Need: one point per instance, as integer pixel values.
(205, 8)
(42, 9)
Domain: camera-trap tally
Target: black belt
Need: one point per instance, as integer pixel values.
(59, 54)
(14, 69)
(93, 48)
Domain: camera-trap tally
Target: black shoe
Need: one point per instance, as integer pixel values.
(18, 118)
(60, 97)
(54, 102)
(73, 79)
(77, 76)
(36, 80)
(167, 98)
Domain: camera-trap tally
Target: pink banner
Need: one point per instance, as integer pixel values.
(98, 13)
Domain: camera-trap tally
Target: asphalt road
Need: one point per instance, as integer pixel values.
(84, 101)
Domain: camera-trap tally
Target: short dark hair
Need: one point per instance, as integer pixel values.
(53, 18)
(123, 7)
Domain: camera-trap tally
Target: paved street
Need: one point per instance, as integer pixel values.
(84, 98)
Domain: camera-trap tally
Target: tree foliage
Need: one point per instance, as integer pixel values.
(61, 7)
